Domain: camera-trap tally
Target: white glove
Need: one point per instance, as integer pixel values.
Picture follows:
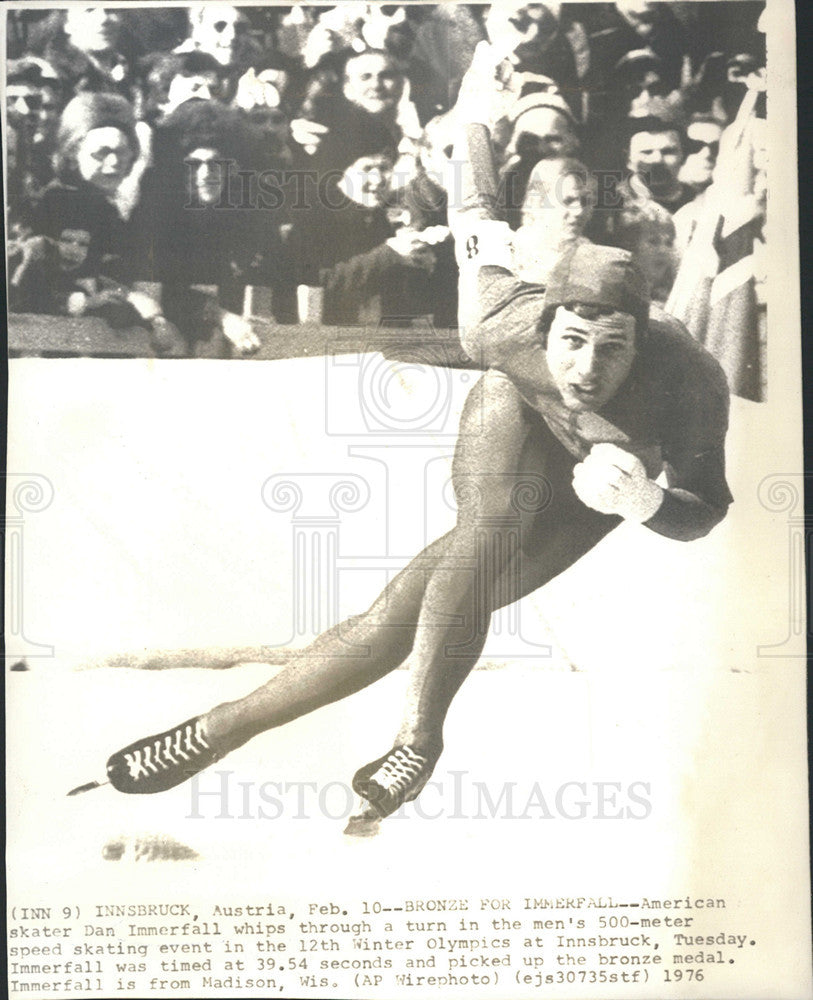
(253, 92)
(308, 134)
(613, 481)
(503, 27)
(484, 96)
(413, 248)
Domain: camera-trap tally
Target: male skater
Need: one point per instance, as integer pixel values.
(586, 401)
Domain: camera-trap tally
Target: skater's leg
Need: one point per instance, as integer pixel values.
(520, 524)
(495, 431)
(337, 663)
(342, 661)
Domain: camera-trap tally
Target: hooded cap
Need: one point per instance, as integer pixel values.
(540, 92)
(597, 276)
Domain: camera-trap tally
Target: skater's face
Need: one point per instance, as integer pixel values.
(104, 158)
(590, 359)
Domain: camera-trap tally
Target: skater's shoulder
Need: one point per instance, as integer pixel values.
(671, 349)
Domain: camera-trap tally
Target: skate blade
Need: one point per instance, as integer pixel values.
(87, 787)
(366, 823)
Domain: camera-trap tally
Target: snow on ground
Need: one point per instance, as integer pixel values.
(634, 667)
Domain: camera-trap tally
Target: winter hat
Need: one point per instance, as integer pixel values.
(600, 276)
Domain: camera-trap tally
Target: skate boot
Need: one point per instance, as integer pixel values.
(397, 777)
(161, 762)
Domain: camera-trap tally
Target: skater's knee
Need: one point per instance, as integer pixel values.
(499, 499)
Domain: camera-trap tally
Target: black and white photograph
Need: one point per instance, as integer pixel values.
(404, 535)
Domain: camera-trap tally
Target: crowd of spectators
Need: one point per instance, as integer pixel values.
(183, 169)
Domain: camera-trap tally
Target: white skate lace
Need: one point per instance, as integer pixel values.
(399, 770)
(183, 744)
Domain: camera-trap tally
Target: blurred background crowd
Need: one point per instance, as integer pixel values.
(187, 169)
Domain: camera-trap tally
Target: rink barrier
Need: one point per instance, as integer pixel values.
(34, 335)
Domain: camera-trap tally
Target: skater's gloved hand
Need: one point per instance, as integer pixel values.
(613, 481)
(518, 30)
(240, 332)
(485, 97)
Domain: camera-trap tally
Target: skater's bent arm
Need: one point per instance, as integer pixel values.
(698, 496)
(685, 516)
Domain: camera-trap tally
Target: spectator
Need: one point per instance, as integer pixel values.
(97, 147)
(88, 51)
(207, 242)
(555, 212)
(443, 50)
(84, 256)
(654, 159)
(264, 95)
(543, 127)
(532, 38)
(294, 29)
(333, 126)
(33, 104)
(631, 25)
(268, 82)
(59, 271)
(421, 205)
(223, 32)
(638, 78)
(374, 83)
(739, 68)
(647, 231)
(331, 86)
(702, 146)
(371, 272)
(172, 78)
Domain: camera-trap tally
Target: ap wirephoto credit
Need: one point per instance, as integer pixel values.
(405, 537)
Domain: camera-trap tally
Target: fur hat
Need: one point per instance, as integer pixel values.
(83, 114)
(200, 124)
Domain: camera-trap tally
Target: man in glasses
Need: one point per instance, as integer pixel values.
(702, 146)
(32, 96)
(33, 105)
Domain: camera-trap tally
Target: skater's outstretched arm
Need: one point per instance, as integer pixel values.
(492, 335)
